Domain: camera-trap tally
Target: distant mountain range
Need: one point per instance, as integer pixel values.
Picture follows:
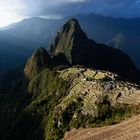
(20, 39)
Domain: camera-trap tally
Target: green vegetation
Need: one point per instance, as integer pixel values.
(57, 100)
(44, 93)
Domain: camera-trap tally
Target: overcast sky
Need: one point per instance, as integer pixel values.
(11, 10)
(119, 8)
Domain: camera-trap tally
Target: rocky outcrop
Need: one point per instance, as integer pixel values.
(37, 62)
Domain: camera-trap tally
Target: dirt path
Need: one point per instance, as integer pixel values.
(127, 130)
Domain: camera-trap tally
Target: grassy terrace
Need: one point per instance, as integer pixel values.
(90, 85)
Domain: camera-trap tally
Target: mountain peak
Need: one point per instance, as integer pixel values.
(72, 43)
(71, 26)
(73, 23)
(70, 39)
(39, 60)
(74, 20)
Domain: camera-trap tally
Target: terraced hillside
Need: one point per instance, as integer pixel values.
(92, 84)
(94, 98)
(60, 99)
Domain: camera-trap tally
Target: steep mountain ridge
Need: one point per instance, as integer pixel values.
(73, 43)
(37, 32)
(97, 27)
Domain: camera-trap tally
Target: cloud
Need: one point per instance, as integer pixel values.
(54, 7)
(8, 13)
(60, 8)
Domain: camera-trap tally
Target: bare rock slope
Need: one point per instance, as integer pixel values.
(127, 130)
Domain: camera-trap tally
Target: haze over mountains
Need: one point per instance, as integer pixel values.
(20, 39)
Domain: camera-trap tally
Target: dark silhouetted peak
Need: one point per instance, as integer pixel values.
(73, 21)
(71, 24)
(38, 61)
(72, 44)
(69, 41)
